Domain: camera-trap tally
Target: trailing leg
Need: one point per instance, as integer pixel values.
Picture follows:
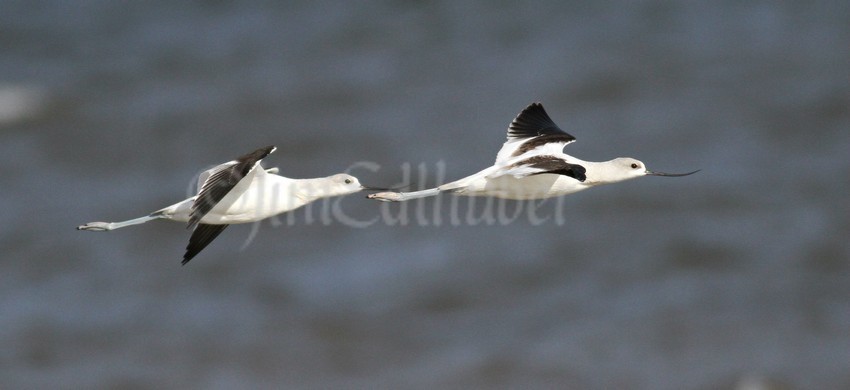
(105, 226)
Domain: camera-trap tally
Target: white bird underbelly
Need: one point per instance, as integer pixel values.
(257, 203)
(524, 188)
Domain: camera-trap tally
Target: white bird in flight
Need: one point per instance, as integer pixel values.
(240, 191)
(532, 165)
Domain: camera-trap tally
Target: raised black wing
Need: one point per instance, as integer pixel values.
(221, 179)
(530, 130)
(533, 121)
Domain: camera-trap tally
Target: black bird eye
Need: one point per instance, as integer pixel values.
(347, 181)
(634, 166)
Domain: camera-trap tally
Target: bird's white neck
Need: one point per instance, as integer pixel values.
(313, 189)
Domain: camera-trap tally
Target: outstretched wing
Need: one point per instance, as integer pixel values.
(201, 237)
(217, 182)
(533, 130)
(205, 175)
(540, 164)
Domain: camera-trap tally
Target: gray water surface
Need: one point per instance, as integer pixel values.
(736, 275)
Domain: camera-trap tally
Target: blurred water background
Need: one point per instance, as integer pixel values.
(736, 275)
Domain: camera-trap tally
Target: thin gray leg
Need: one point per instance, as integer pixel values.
(105, 226)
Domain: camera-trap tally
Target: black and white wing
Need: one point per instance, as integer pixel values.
(217, 182)
(533, 131)
(540, 164)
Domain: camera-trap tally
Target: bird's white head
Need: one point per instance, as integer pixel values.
(342, 184)
(339, 184)
(625, 168)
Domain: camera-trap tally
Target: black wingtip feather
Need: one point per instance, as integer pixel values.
(203, 235)
(533, 121)
(257, 155)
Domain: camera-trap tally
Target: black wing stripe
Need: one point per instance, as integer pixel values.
(220, 183)
(533, 121)
(201, 237)
(536, 142)
(553, 165)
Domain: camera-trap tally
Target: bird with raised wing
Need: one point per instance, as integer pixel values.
(240, 191)
(532, 165)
